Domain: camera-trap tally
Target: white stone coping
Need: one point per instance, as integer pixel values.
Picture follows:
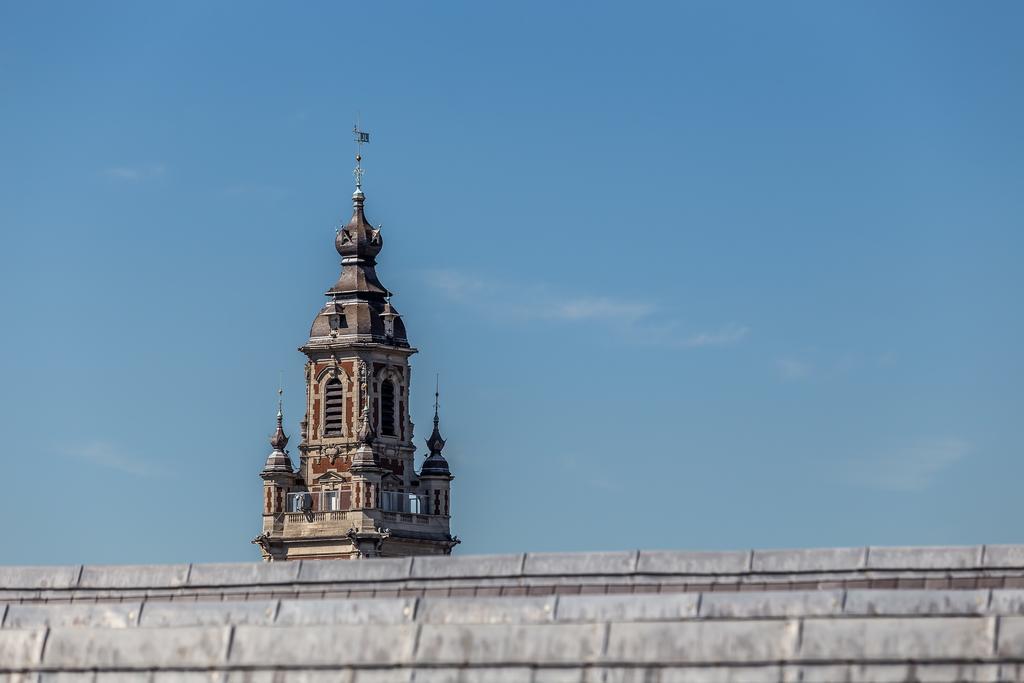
(719, 643)
(815, 563)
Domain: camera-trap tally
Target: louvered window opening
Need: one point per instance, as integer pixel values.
(387, 408)
(334, 408)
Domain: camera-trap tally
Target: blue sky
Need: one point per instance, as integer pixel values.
(695, 275)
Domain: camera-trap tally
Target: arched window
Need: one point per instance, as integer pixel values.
(334, 408)
(387, 408)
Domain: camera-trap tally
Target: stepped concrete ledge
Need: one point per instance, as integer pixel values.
(957, 567)
(848, 614)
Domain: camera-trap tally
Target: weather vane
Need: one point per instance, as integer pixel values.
(361, 139)
(280, 390)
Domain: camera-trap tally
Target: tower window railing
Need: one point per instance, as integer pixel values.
(318, 501)
(399, 501)
(329, 501)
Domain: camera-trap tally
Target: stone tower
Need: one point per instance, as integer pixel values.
(356, 492)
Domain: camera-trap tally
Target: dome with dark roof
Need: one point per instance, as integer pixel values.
(435, 465)
(278, 460)
(359, 306)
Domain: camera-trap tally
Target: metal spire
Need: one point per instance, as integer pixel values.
(437, 396)
(280, 396)
(435, 464)
(278, 460)
(361, 138)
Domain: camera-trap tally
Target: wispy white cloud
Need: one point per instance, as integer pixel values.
(638, 321)
(909, 467)
(105, 454)
(813, 364)
(792, 369)
(590, 308)
(135, 173)
(730, 334)
(455, 285)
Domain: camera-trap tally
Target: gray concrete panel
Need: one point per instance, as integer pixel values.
(924, 557)
(21, 648)
(134, 576)
(510, 644)
(897, 639)
(144, 648)
(505, 674)
(1011, 637)
(208, 613)
(519, 610)
(691, 674)
(99, 615)
(1009, 602)
(1004, 556)
(809, 560)
(916, 602)
(333, 645)
(608, 563)
(336, 571)
(447, 567)
(346, 611)
(771, 604)
(30, 578)
(678, 562)
(626, 607)
(385, 675)
(698, 641)
(294, 676)
(243, 573)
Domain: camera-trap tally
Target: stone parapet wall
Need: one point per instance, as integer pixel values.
(960, 568)
(798, 636)
(651, 617)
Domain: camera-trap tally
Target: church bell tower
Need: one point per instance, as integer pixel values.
(356, 492)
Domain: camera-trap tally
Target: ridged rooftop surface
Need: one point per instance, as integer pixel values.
(839, 614)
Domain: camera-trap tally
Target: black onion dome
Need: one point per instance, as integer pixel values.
(278, 439)
(435, 464)
(278, 460)
(359, 239)
(359, 242)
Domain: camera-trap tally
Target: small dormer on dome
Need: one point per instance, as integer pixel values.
(389, 315)
(365, 320)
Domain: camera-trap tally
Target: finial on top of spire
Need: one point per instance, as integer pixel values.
(361, 138)
(437, 397)
(435, 465)
(278, 441)
(435, 442)
(280, 396)
(278, 460)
